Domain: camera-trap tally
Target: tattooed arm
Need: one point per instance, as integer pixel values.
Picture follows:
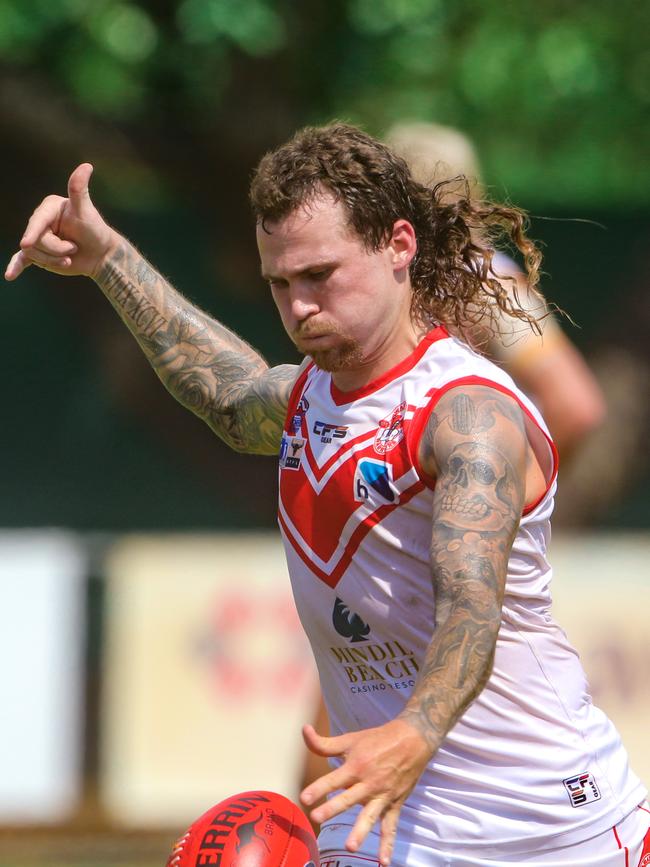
(475, 447)
(204, 365)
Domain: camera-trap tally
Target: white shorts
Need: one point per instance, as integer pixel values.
(625, 845)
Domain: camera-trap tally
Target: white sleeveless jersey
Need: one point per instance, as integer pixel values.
(532, 763)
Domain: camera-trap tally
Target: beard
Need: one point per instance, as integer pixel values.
(344, 354)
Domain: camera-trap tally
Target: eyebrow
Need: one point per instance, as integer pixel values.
(314, 266)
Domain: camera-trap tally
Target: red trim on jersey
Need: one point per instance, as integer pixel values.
(342, 397)
(422, 415)
(620, 846)
(295, 395)
(359, 534)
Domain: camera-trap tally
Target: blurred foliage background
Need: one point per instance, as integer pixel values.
(174, 101)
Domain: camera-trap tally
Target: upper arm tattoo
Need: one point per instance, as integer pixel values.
(475, 444)
(201, 362)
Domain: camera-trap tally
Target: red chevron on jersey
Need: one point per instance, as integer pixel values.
(333, 508)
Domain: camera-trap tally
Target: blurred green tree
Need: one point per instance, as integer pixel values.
(174, 101)
(556, 94)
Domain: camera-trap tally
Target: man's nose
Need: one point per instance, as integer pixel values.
(303, 305)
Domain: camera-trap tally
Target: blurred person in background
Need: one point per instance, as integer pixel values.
(480, 737)
(546, 365)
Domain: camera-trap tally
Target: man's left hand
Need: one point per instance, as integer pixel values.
(380, 768)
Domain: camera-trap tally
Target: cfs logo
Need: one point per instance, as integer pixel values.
(581, 789)
(328, 432)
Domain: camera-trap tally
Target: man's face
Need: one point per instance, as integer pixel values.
(338, 300)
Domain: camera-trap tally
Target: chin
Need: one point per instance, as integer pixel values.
(338, 358)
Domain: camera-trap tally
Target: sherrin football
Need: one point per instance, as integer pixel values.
(252, 829)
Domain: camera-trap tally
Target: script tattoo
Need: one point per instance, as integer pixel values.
(476, 447)
(204, 365)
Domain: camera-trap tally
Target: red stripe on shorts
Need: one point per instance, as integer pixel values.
(620, 846)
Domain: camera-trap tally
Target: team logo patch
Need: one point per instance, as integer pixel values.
(581, 789)
(374, 478)
(291, 452)
(327, 432)
(391, 431)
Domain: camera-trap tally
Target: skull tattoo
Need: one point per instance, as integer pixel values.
(478, 490)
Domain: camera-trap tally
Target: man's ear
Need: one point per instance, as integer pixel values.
(402, 244)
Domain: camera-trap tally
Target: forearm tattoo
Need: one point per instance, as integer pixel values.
(202, 363)
(475, 444)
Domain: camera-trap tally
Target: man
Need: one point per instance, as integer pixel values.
(545, 365)
(416, 486)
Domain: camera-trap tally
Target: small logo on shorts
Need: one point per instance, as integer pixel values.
(581, 789)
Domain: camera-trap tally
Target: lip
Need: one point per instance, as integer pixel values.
(314, 338)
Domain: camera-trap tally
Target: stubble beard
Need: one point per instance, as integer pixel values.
(344, 355)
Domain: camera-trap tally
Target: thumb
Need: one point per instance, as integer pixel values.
(323, 746)
(78, 190)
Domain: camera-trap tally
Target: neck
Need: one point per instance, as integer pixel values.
(388, 353)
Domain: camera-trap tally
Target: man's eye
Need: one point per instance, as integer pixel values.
(320, 275)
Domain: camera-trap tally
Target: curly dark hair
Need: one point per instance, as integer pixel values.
(451, 274)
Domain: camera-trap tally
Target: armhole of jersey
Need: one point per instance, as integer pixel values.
(541, 443)
(294, 396)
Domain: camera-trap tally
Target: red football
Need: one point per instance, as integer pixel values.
(252, 829)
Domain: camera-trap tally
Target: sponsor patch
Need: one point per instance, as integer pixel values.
(301, 409)
(372, 481)
(581, 789)
(347, 623)
(291, 451)
(327, 432)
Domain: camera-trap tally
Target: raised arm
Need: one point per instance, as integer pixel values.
(476, 448)
(204, 365)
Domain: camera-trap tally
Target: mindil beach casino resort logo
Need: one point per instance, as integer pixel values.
(391, 430)
(368, 666)
(347, 623)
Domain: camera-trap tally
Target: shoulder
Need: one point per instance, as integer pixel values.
(471, 416)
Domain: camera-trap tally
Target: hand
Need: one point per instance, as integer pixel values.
(66, 236)
(380, 768)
